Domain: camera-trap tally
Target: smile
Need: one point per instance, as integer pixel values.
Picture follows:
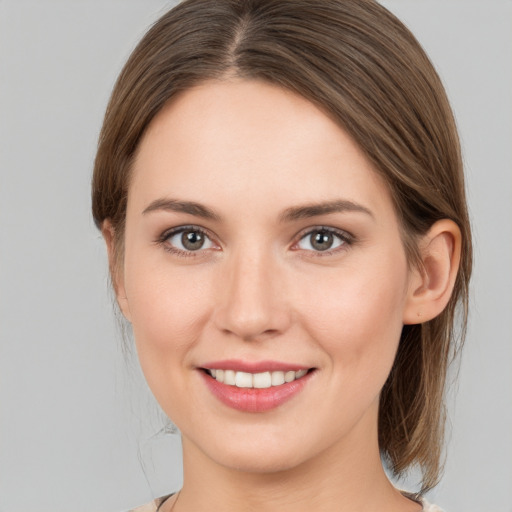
(261, 380)
(261, 387)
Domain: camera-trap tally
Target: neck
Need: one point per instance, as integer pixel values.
(345, 477)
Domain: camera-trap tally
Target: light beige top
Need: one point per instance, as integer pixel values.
(154, 505)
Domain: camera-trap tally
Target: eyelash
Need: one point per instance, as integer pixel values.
(346, 240)
(166, 235)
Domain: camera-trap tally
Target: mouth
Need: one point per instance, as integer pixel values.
(256, 391)
(261, 380)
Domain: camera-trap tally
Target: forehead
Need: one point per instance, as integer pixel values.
(231, 139)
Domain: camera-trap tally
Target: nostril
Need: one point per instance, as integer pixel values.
(251, 305)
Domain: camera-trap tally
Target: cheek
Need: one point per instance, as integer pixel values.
(168, 313)
(168, 310)
(357, 315)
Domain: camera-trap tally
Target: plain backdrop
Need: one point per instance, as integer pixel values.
(78, 429)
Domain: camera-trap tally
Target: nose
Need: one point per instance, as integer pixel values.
(252, 302)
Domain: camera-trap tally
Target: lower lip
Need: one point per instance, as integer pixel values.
(253, 399)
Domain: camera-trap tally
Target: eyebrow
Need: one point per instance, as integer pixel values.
(174, 205)
(291, 214)
(316, 209)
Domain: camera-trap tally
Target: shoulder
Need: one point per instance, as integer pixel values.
(152, 506)
(429, 507)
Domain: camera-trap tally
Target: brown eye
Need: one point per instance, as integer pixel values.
(192, 240)
(188, 239)
(320, 240)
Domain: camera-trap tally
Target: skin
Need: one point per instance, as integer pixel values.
(258, 290)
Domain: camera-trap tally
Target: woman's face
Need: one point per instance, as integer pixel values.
(259, 240)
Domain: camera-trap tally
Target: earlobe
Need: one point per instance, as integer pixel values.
(431, 286)
(116, 273)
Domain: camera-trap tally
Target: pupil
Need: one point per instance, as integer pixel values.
(322, 241)
(192, 240)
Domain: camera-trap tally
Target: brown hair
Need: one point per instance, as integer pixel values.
(364, 68)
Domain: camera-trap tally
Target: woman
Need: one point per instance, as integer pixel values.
(279, 185)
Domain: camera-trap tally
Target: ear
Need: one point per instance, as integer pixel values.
(116, 271)
(431, 286)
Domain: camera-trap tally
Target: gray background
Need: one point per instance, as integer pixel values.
(76, 422)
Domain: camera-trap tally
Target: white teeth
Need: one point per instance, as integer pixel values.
(261, 380)
(229, 377)
(277, 378)
(300, 374)
(289, 376)
(255, 380)
(242, 380)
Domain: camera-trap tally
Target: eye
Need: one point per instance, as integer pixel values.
(186, 240)
(322, 240)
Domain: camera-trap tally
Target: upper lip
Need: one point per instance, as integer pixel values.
(253, 366)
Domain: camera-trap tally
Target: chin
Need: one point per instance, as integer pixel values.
(260, 462)
(258, 454)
